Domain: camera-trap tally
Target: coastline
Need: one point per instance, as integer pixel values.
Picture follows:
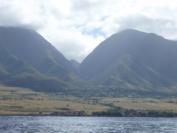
(121, 113)
(25, 102)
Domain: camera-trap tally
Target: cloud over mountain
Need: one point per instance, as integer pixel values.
(76, 27)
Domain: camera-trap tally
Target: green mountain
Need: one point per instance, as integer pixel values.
(28, 60)
(133, 63)
(129, 63)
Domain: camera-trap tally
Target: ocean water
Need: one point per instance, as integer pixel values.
(53, 124)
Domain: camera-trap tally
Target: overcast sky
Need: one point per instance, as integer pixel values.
(76, 27)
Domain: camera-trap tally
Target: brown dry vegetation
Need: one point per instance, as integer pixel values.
(20, 101)
(142, 104)
(24, 101)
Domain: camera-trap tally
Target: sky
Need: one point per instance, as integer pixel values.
(76, 27)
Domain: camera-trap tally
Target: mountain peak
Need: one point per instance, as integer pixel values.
(137, 33)
(131, 30)
(23, 49)
(16, 29)
(132, 58)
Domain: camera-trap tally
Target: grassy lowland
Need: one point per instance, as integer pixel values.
(21, 101)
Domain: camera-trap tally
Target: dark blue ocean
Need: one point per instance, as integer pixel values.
(86, 125)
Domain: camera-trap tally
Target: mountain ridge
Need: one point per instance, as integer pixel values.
(128, 63)
(23, 49)
(132, 60)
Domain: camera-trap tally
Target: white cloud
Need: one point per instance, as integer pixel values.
(72, 42)
(76, 27)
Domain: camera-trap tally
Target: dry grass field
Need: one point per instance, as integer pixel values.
(24, 101)
(20, 101)
(142, 104)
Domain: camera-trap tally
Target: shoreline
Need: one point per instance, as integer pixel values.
(132, 113)
(24, 102)
(88, 116)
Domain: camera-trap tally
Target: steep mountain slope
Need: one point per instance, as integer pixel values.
(28, 60)
(128, 63)
(133, 62)
(75, 65)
